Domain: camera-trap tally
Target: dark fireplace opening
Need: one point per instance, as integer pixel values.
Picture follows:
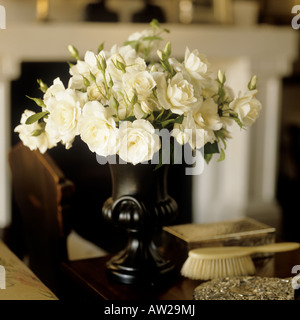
(288, 182)
(92, 180)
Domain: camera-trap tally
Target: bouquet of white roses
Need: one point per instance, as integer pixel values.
(118, 101)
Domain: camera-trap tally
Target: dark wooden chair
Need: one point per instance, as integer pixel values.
(43, 196)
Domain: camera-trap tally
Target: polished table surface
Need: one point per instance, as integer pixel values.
(92, 281)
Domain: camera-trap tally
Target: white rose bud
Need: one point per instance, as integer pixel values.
(73, 51)
(221, 77)
(252, 83)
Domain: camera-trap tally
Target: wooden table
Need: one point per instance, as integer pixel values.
(91, 281)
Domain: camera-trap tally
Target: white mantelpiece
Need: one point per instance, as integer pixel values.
(247, 178)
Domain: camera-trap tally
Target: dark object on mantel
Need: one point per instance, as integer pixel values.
(98, 12)
(148, 13)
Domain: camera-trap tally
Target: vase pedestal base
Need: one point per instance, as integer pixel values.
(154, 272)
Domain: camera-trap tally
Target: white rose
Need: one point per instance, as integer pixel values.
(84, 69)
(65, 110)
(40, 142)
(210, 89)
(98, 130)
(176, 95)
(127, 53)
(124, 109)
(120, 57)
(56, 87)
(76, 82)
(198, 126)
(206, 116)
(146, 107)
(247, 107)
(77, 72)
(140, 82)
(180, 134)
(150, 105)
(188, 132)
(196, 65)
(96, 91)
(114, 65)
(138, 141)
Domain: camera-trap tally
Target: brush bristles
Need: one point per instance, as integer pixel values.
(205, 269)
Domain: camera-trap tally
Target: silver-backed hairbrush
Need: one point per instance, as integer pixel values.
(217, 262)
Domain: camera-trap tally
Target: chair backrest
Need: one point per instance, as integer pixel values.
(42, 194)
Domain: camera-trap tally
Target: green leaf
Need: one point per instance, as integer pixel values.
(167, 122)
(172, 121)
(134, 100)
(208, 157)
(37, 132)
(92, 76)
(111, 83)
(238, 121)
(221, 93)
(130, 118)
(43, 86)
(152, 38)
(100, 47)
(222, 156)
(86, 81)
(220, 135)
(211, 148)
(179, 119)
(167, 49)
(133, 43)
(167, 67)
(36, 117)
(115, 103)
(39, 102)
(159, 114)
(120, 66)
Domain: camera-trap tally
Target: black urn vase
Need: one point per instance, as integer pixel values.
(140, 203)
